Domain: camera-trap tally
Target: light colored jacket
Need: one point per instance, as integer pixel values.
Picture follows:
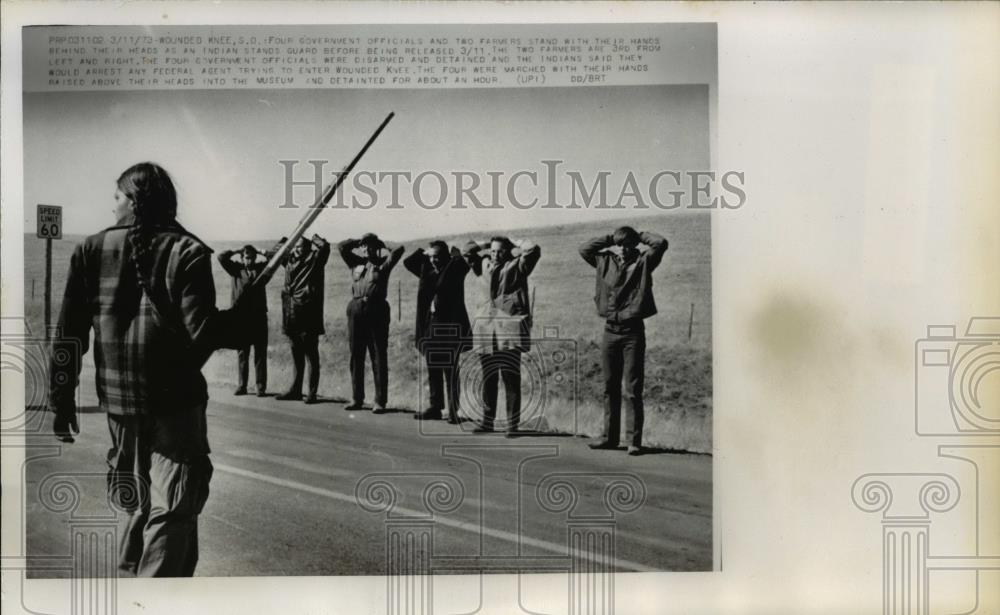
(503, 321)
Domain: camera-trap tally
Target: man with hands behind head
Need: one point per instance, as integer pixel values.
(368, 314)
(302, 311)
(502, 329)
(442, 324)
(244, 267)
(624, 297)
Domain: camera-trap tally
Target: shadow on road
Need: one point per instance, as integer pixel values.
(672, 451)
(79, 410)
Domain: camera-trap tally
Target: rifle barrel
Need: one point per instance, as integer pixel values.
(313, 212)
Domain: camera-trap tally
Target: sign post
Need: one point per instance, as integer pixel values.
(49, 228)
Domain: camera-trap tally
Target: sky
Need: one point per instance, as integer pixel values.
(222, 150)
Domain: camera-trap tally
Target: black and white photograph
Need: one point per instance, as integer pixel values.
(547, 308)
(363, 330)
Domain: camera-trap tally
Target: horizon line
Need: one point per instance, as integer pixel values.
(503, 231)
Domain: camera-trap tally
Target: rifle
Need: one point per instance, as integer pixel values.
(313, 212)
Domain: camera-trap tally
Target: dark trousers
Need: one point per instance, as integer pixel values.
(505, 365)
(158, 474)
(443, 377)
(368, 334)
(305, 347)
(623, 355)
(257, 341)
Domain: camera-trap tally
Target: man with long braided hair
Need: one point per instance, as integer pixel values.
(145, 287)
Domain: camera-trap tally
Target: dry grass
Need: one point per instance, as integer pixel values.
(678, 368)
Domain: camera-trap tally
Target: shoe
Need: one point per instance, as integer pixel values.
(379, 410)
(240, 391)
(603, 445)
(354, 405)
(483, 429)
(453, 418)
(289, 396)
(428, 414)
(512, 433)
(261, 392)
(634, 451)
(312, 399)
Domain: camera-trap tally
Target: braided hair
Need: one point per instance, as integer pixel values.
(154, 203)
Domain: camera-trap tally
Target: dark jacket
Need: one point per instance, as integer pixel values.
(148, 350)
(622, 294)
(242, 276)
(445, 291)
(302, 296)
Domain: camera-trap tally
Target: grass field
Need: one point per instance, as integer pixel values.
(562, 376)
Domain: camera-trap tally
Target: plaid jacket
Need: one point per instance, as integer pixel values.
(148, 357)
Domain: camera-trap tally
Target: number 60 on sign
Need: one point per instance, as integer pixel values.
(49, 222)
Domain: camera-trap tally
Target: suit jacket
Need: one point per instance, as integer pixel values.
(444, 291)
(302, 296)
(503, 321)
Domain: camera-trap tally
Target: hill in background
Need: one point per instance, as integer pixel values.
(562, 381)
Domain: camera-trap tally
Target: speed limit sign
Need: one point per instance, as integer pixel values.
(49, 222)
(49, 228)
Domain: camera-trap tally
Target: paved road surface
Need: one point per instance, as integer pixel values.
(283, 498)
